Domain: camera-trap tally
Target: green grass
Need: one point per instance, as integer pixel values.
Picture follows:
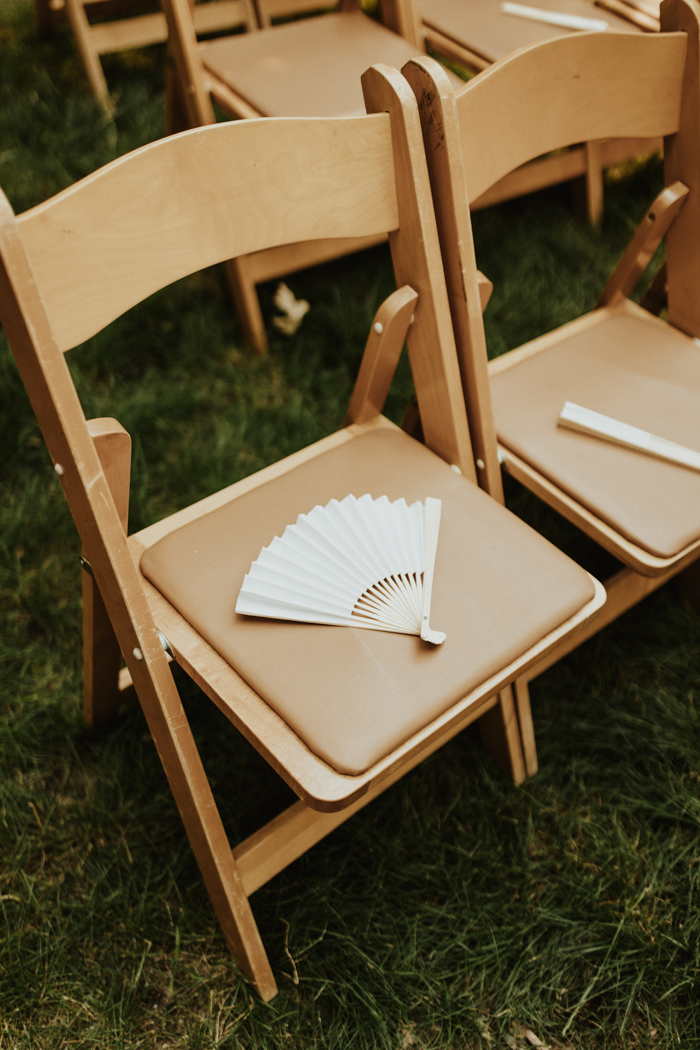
(454, 912)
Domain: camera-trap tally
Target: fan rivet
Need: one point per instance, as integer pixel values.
(379, 327)
(480, 464)
(455, 468)
(138, 654)
(59, 469)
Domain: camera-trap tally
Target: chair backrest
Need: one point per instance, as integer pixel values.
(122, 26)
(570, 89)
(399, 15)
(545, 97)
(72, 264)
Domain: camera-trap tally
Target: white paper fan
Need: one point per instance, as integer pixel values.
(354, 563)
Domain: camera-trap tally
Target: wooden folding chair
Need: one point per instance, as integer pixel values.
(478, 33)
(101, 27)
(309, 67)
(618, 360)
(643, 13)
(339, 713)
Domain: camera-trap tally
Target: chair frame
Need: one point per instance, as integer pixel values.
(129, 30)
(190, 105)
(454, 179)
(584, 161)
(48, 309)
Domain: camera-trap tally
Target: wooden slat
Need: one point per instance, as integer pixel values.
(580, 73)
(125, 33)
(170, 209)
(437, 111)
(632, 14)
(415, 251)
(143, 30)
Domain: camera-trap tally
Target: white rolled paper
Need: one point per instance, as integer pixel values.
(585, 420)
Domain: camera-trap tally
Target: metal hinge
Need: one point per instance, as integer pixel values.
(167, 648)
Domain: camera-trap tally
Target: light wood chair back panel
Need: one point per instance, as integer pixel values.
(682, 160)
(575, 77)
(169, 210)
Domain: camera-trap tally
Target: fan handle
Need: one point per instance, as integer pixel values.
(433, 509)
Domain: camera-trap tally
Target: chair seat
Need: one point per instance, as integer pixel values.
(354, 695)
(309, 68)
(481, 26)
(624, 363)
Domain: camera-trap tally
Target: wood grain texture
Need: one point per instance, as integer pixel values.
(580, 74)
(102, 696)
(167, 210)
(198, 86)
(176, 206)
(441, 140)
(88, 54)
(417, 262)
(474, 141)
(55, 402)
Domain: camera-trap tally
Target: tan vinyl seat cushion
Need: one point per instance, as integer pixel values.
(351, 694)
(640, 371)
(481, 26)
(310, 68)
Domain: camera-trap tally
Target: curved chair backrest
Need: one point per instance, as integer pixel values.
(70, 266)
(547, 96)
(198, 198)
(570, 89)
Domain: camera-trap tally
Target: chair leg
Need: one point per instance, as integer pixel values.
(500, 736)
(527, 730)
(594, 182)
(176, 115)
(102, 696)
(101, 659)
(245, 298)
(590, 203)
(193, 796)
(91, 60)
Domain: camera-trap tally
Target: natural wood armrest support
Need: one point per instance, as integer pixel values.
(113, 445)
(650, 232)
(485, 289)
(384, 344)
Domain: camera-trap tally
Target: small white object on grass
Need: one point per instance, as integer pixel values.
(585, 420)
(554, 18)
(293, 310)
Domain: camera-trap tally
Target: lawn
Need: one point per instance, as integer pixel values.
(454, 912)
